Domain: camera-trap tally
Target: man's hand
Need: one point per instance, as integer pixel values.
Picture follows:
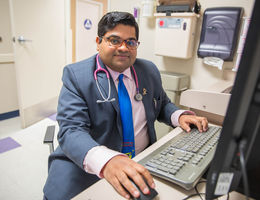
(117, 171)
(186, 120)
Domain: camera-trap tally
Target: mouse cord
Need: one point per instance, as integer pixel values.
(197, 192)
(192, 195)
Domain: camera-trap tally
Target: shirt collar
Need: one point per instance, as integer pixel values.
(115, 74)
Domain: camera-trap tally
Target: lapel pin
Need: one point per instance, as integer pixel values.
(144, 91)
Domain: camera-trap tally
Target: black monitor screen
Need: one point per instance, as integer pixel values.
(236, 164)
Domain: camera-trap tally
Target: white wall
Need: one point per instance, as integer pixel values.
(8, 89)
(201, 75)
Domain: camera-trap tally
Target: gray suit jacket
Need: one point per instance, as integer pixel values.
(85, 124)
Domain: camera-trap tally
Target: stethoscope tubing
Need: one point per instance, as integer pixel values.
(138, 96)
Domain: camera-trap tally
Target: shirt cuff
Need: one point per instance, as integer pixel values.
(175, 116)
(96, 159)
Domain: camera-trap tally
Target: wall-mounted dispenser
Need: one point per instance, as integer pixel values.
(175, 33)
(219, 33)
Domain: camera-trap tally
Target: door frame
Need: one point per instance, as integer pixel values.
(73, 19)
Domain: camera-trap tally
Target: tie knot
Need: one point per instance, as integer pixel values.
(120, 77)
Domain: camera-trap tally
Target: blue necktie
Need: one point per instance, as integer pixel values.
(126, 119)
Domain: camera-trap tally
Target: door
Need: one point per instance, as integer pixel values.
(85, 15)
(38, 29)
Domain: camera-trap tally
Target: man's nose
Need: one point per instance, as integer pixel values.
(123, 46)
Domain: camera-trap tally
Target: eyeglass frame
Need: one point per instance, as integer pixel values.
(121, 43)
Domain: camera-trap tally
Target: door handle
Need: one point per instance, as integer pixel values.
(21, 39)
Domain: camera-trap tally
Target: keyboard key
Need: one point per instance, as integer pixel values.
(153, 165)
(164, 164)
(173, 171)
(169, 166)
(164, 169)
(158, 162)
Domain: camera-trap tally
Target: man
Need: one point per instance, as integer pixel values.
(91, 125)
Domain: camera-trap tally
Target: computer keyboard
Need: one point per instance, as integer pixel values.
(184, 158)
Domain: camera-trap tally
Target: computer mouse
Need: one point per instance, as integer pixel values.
(153, 192)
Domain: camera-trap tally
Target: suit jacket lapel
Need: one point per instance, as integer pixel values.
(146, 92)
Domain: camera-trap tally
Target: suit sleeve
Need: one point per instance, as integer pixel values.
(166, 107)
(74, 121)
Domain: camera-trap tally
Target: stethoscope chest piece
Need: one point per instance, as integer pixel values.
(138, 97)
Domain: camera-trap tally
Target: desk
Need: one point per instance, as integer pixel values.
(166, 190)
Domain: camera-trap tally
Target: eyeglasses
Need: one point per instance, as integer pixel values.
(116, 42)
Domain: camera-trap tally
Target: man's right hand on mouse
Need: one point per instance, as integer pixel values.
(119, 168)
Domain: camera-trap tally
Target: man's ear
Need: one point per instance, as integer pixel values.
(97, 42)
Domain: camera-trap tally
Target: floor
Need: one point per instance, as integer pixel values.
(23, 159)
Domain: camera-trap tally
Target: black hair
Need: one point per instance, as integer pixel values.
(110, 20)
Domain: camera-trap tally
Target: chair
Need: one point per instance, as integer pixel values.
(49, 135)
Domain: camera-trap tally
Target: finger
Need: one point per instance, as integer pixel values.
(186, 127)
(137, 178)
(204, 123)
(199, 125)
(143, 179)
(185, 121)
(124, 180)
(148, 177)
(119, 188)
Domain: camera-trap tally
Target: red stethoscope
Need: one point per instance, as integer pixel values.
(138, 96)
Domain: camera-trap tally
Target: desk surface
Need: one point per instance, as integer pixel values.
(103, 190)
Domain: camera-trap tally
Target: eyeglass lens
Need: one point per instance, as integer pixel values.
(117, 42)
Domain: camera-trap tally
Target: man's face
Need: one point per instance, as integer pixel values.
(117, 58)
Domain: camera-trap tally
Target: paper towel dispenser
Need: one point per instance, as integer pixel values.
(219, 32)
